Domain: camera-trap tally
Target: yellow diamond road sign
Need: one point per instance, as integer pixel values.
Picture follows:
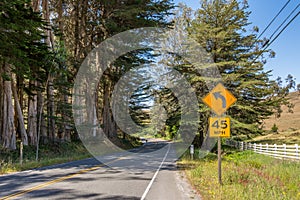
(219, 127)
(219, 99)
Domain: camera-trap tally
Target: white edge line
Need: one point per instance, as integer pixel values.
(154, 176)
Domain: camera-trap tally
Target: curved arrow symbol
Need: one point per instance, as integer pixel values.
(218, 95)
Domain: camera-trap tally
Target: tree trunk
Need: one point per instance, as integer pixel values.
(42, 131)
(32, 116)
(91, 112)
(24, 137)
(110, 128)
(50, 109)
(1, 103)
(9, 133)
(8, 126)
(66, 120)
(60, 17)
(50, 88)
(35, 5)
(46, 16)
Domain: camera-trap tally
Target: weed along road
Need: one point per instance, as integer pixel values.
(123, 176)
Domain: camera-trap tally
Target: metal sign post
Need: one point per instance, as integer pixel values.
(219, 100)
(21, 153)
(219, 161)
(192, 151)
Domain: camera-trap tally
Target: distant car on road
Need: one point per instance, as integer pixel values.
(143, 140)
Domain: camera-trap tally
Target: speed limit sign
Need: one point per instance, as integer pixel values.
(219, 127)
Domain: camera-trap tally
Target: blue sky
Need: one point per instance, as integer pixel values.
(286, 46)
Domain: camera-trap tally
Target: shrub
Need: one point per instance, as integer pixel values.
(274, 128)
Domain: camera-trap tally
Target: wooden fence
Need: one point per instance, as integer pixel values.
(278, 151)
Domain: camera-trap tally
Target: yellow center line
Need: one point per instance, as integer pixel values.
(56, 180)
(59, 179)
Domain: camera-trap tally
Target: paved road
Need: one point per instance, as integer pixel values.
(148, 172)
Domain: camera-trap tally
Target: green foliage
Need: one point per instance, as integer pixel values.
(220, 27)
(21, 36)
(170, 132)
(49, 154)
(114, 18)
(45, 54)
(247, 157)
(274, 128)
(129, 141)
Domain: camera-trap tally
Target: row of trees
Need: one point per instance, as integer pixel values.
(42, 46)
(44, 42)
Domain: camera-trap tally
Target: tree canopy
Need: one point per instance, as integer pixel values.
(43, 43)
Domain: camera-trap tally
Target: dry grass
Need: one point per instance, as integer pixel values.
(287, 121)
(285, 137)
(288, 125)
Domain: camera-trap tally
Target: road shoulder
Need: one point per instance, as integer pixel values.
(171, 183)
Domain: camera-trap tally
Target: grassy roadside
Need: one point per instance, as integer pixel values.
(52, 154)
(246, 175)
(48, 154)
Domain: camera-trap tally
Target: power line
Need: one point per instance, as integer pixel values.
(274, 18)
(284, 21)
(270, 42)
(283, 29)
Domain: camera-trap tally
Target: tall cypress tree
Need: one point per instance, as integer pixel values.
(22, 55)
(100, 20)
(220, 27)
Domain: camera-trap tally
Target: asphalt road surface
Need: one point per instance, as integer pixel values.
(148, 172)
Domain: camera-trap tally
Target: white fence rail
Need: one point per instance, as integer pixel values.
(277, 151)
